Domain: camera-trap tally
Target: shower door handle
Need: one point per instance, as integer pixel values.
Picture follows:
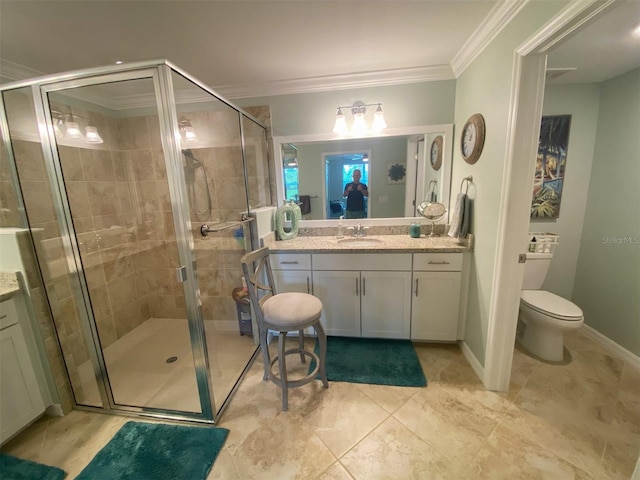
(181, 274)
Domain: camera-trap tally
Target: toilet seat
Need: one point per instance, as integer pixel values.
(551, 304)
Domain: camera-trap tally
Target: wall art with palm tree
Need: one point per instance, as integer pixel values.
(550, 166)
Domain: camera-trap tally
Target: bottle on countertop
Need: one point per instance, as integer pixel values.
(340, 228)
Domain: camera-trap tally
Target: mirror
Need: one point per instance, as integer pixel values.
(401, 168)
(432, 211)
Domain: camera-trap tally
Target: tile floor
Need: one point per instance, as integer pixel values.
(575, 421)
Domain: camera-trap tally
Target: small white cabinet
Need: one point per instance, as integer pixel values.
(364, 295)
(436, 296)
(21, 400)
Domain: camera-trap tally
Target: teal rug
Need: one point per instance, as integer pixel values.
(372, 360)
(156, 451)
(12, 468)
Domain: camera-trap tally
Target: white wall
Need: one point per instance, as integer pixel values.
(582, 103)
(607, 281)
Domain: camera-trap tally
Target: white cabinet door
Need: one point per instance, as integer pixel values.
(292, 281)
(436, 299)
(386, 304)
(340, 296)
(20, 397)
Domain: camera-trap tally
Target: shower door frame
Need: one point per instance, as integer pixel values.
(159, 73)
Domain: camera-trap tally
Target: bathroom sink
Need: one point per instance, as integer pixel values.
(360, 242)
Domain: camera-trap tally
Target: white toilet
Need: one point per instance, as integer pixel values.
(544, 316)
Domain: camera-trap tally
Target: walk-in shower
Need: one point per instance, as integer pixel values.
(113, 189)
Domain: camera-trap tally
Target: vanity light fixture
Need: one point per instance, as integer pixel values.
(187, 131)
(359, 128)
(66, 126)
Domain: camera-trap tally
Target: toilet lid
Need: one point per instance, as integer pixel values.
(551, 304)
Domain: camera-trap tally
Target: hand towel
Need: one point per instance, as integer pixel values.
(305, 204)
(460, 219)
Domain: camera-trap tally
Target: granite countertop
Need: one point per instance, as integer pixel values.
(368, 244)
(9, 285)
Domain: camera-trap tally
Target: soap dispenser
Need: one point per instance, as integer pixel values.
(340, 228)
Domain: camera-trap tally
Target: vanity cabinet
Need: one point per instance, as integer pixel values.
(20, 398)
(436, 296)
(364, 295)
(291, 272)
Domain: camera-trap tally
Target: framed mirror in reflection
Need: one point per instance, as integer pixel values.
(395, 171)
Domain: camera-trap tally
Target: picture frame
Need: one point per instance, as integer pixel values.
(551, 162)
(396, 173)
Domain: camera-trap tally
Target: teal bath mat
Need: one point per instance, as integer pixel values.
(156, 451)
(372, 360)
(12, 468)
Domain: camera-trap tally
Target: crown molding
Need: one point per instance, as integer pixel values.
(11, 71)
(499, 17)
(325, 83)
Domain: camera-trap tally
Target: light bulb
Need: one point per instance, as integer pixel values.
(92, 135)
(378, 120)
(341, 124)
(73, 131)
(359, 125)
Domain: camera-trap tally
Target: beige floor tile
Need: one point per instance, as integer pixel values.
(392, 451)
(556, 421)
(344, 417)
(506, 455)
(454, 425)
(389, 397)
(335, 472)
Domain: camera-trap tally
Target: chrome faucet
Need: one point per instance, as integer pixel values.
(358, 230)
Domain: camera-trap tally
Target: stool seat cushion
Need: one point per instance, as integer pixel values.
(291, 309)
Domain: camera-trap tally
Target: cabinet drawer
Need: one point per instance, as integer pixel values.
(290, 261)
(437, 262)
(362, 261)
(8, 314)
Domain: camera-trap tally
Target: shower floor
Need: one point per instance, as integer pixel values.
(141, 376)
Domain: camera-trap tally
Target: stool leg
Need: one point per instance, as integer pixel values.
(283, 369)
(301, 345)
(322, 340)
(266, 358)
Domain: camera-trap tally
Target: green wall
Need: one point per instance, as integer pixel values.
(607, 283)
(582, 103)
(426, 103)
(485, 87)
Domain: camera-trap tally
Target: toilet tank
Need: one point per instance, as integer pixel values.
(535, 270)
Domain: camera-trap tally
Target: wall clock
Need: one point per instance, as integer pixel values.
(436, 153)
(472, 139)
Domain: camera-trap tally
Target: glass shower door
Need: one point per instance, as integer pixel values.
(120, 224)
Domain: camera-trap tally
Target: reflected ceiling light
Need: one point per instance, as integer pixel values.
(73, 131)
(359, 127)
(92, 135)
(187, 131)
(66, 126)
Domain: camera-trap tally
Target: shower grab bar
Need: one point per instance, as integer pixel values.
(218, 227)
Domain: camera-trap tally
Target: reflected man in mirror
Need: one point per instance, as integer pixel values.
(355, 193)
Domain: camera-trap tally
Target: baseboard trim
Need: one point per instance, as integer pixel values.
(473, 361)
(55, 410)
(610, 345)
